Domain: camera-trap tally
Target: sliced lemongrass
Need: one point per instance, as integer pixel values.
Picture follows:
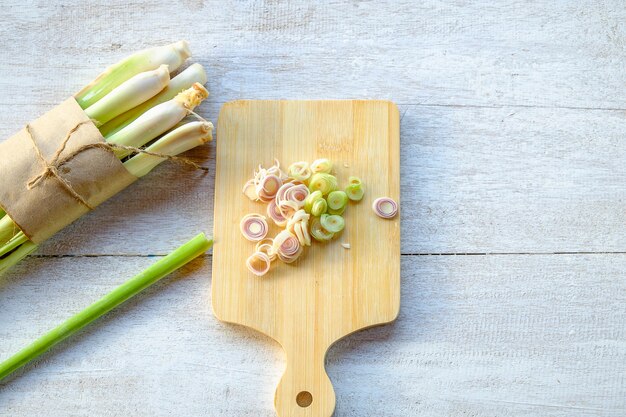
(346, 245)
(300, 171)
(355, 192)
(323, 182)
(193, 74)
(385, 207)
(17, 240)
(258, 263)
(287, 246)
(311, 199)
(332, 223)
(318, 232)
(336, 212)
(297, 194)
(298, 226)
(172, 55)
(268, 187)
(323, 165)
(128, 95)
(253, 227)
(319, 207)
(175, 142)
(337, 200)
(354, 181)
(249, 189)
(266, 246)
(275, 213)
(158, 120)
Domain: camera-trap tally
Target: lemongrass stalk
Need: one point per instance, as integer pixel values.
(129, 94)
(8, 229)
(158, 119)
(172, 55)
(193, 74)
(173, 143)
(177, 259)
(16, 256)
(17, 240)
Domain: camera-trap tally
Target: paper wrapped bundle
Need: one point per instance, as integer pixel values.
(97, 143)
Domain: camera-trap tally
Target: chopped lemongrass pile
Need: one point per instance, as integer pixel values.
(305, 200)
(135, 104)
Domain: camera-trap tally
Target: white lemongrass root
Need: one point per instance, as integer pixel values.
(193, 74)
(158, 120)
(173, 143)
(172, 55)
(129, 94)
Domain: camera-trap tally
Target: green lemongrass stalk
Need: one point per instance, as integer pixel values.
(177, 141)
(16, 256)
(193, 74)
(8, 229)
(129, 94)
(158, 119)
(15, 241)
(172, 55)
(181, 256)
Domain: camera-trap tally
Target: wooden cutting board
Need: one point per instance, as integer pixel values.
(330, 291)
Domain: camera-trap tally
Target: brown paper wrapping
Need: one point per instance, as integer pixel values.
(94, 174)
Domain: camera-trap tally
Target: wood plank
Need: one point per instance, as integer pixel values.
(518, 335)
(559, 53)
(473, 180)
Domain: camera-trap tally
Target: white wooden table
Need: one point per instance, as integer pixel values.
(514, 195)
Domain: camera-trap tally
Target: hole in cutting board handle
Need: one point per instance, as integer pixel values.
(304, 399)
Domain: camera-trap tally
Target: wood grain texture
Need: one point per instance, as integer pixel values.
(330, 292)
(512, 141)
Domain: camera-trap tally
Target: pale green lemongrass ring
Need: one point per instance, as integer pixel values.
(355, 192)
(172, 55)
(173, 143)
(338, 212)
(337, 200)
(323, 165)
(158, 120)
(318, 232)
(332, 223)
(311, 199)
(129, 94)
(299, 171)
(325, 183)
(354, 180)
(193, 74)
(319, 208)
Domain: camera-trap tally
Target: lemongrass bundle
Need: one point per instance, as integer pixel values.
(117, 129)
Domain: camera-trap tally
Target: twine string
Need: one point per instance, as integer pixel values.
(51, 168)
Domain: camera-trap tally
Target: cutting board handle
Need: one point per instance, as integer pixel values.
(305, 389)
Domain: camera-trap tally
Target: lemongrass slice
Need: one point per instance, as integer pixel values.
(311, 199)
(268, 187)
(297, 194)
(299, 171)
(355, 192)
(258, 263)
(385, 207)
(298, 225)
(332, 223)
(346, 245)
(266, 246)
(318, 232)
(276, 214)
(253, 227)
(323, 182)
(287, 246)
(322, 165)
(319, 207)
(337, 200)
(249, 189)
